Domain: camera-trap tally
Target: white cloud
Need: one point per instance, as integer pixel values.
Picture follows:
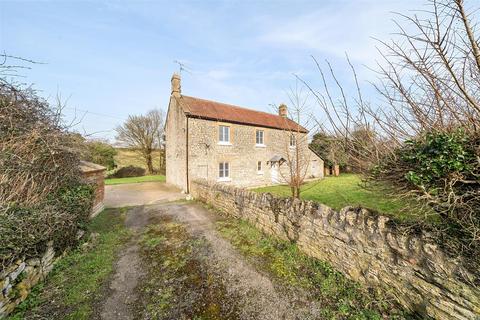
(336, 29)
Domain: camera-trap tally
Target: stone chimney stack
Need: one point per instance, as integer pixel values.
(282, 110)
(176, 86)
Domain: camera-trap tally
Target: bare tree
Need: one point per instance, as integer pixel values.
(296, 153)
(141, 133)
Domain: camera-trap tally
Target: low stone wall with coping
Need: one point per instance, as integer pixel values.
(366, 247)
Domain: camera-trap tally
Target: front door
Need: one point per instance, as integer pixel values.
(274, 172)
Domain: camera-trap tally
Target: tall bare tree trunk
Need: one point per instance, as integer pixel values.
(148, 159)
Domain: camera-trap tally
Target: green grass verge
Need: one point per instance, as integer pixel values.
(339, 297)
(153, 178)
(74, 284)
(347, 190)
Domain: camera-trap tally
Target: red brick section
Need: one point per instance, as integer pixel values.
(96, 177)
(212, 110)
(94, 173)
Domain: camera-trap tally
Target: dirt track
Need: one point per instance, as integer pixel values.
(239, 292)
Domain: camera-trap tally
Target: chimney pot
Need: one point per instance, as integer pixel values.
(283, 110)
(176, 85)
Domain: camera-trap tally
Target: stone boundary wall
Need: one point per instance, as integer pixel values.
(364, 246)
(17, 280)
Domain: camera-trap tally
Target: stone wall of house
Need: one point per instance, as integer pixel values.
(242, 154)
(175, 145)
(17, 280)
(366, 247)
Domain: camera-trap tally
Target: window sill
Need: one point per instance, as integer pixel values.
(224, 180)
(293, 147)
(260, 172)
(221, 143)
(260, 145)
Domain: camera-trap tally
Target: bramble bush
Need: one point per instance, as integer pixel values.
(42, 194)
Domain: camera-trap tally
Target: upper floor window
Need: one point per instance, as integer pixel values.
(223, 170)
(259, 137)
(224, 134)
(293, 140)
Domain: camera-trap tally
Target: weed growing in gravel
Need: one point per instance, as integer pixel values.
(75, 282)
(339, 297)
(178, 284)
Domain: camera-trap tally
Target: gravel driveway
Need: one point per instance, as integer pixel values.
(136, 194)
(175, 250)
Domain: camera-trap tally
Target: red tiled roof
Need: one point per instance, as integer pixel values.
(212, 110)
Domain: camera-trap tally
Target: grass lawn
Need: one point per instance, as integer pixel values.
(153, 178)
(75, 284)
(345, 190)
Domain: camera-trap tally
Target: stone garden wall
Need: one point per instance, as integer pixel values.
(18, 279)
(364, 246)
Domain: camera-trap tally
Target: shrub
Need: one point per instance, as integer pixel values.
(26, 230)
(37, 156)
(442, 169)
(130, 171)
(42, 195)
(436, 158)
(101, 153)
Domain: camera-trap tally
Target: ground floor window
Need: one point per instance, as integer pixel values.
(259, 166)
(223, 170)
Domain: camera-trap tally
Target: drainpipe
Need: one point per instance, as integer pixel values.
(186, 158)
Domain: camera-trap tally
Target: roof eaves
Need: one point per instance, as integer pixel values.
(190, 115)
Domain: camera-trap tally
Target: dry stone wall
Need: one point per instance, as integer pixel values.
(17, 280)
(364, 246)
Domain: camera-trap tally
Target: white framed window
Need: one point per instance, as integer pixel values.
(223, 134)
(224, 171)
(259, 135)
(293, 140)
(259, 167)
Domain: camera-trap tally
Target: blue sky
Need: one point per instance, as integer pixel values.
(115, 58)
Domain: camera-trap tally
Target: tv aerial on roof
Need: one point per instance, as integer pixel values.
(182, 66)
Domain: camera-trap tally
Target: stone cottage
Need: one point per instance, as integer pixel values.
(233, 145)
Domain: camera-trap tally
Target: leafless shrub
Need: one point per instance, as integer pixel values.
(430, 118)
(42, 196)
(36, 156)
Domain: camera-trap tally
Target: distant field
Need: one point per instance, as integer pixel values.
(128, 157)
(155, 178)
